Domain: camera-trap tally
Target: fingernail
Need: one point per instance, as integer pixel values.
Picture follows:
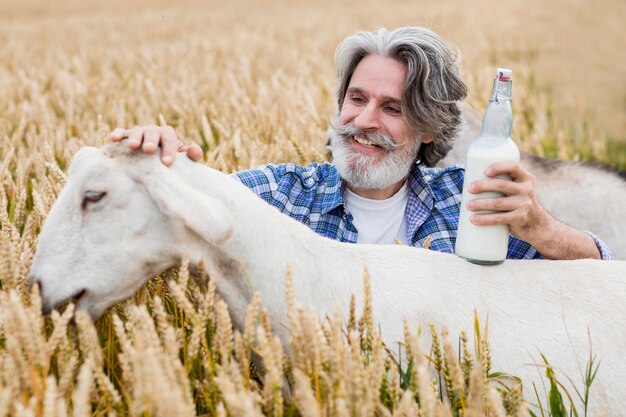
(133, 142)
(167, 159)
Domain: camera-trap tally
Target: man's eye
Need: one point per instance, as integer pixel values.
(92, 197)
(357, 100)
(393, 110)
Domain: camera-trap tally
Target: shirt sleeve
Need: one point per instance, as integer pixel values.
(605, 252)
(263, 180)
(288, 187)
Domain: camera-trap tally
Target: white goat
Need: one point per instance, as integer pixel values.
(123, 217)
(587, 196)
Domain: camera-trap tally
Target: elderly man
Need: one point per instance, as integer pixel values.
(397, 94)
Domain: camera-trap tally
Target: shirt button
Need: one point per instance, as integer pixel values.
(309, 181)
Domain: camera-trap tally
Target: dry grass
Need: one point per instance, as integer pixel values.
(252, 82)
(158, 356)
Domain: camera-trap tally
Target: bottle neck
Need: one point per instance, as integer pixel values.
(498, 120)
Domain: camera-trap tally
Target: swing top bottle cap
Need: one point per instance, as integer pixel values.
(504, 74)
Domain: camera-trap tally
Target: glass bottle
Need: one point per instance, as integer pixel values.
(488, 245)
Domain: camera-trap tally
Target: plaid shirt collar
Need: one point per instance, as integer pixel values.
(420, 204)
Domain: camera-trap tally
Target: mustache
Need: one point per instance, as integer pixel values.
(349, 129)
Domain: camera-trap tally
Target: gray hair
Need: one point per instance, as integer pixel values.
(433, 84)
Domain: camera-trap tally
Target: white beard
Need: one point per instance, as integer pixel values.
(366, 171)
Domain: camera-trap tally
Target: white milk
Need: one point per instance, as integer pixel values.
(483, 244)
(488, 245)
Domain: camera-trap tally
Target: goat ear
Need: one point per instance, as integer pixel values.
(203, 215)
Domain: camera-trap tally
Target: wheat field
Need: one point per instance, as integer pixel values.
(252, 82)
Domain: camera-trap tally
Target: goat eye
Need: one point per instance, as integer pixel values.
(92, 197)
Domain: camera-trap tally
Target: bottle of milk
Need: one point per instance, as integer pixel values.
(487, 245)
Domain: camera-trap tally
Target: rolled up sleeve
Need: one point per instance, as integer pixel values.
(605, 252)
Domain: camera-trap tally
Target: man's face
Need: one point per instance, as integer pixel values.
(374, 147)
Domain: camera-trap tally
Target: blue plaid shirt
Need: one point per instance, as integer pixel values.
(313, 195)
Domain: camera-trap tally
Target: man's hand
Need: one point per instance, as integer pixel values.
(149, 138)
(527, 219)
(519, 207)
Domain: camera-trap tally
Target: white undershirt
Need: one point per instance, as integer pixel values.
(379, 221)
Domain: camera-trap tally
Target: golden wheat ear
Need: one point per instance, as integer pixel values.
(201, 214)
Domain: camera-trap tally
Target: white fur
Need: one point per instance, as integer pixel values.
(152, 215)
(587, 197)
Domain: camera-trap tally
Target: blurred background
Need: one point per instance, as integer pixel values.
(242, 75)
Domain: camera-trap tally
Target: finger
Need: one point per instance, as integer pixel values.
(513, 169)
(194, 152)
(495, 185)
(495, 204)
(169, 145)
(118, 134)
(135, 136)
(151, 139)
(491, 219)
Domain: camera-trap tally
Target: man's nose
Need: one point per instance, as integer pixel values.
(368, 119)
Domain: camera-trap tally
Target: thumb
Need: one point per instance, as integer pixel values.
(194, 152)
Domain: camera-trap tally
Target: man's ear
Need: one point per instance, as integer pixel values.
(426, 138)
(201, 214)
